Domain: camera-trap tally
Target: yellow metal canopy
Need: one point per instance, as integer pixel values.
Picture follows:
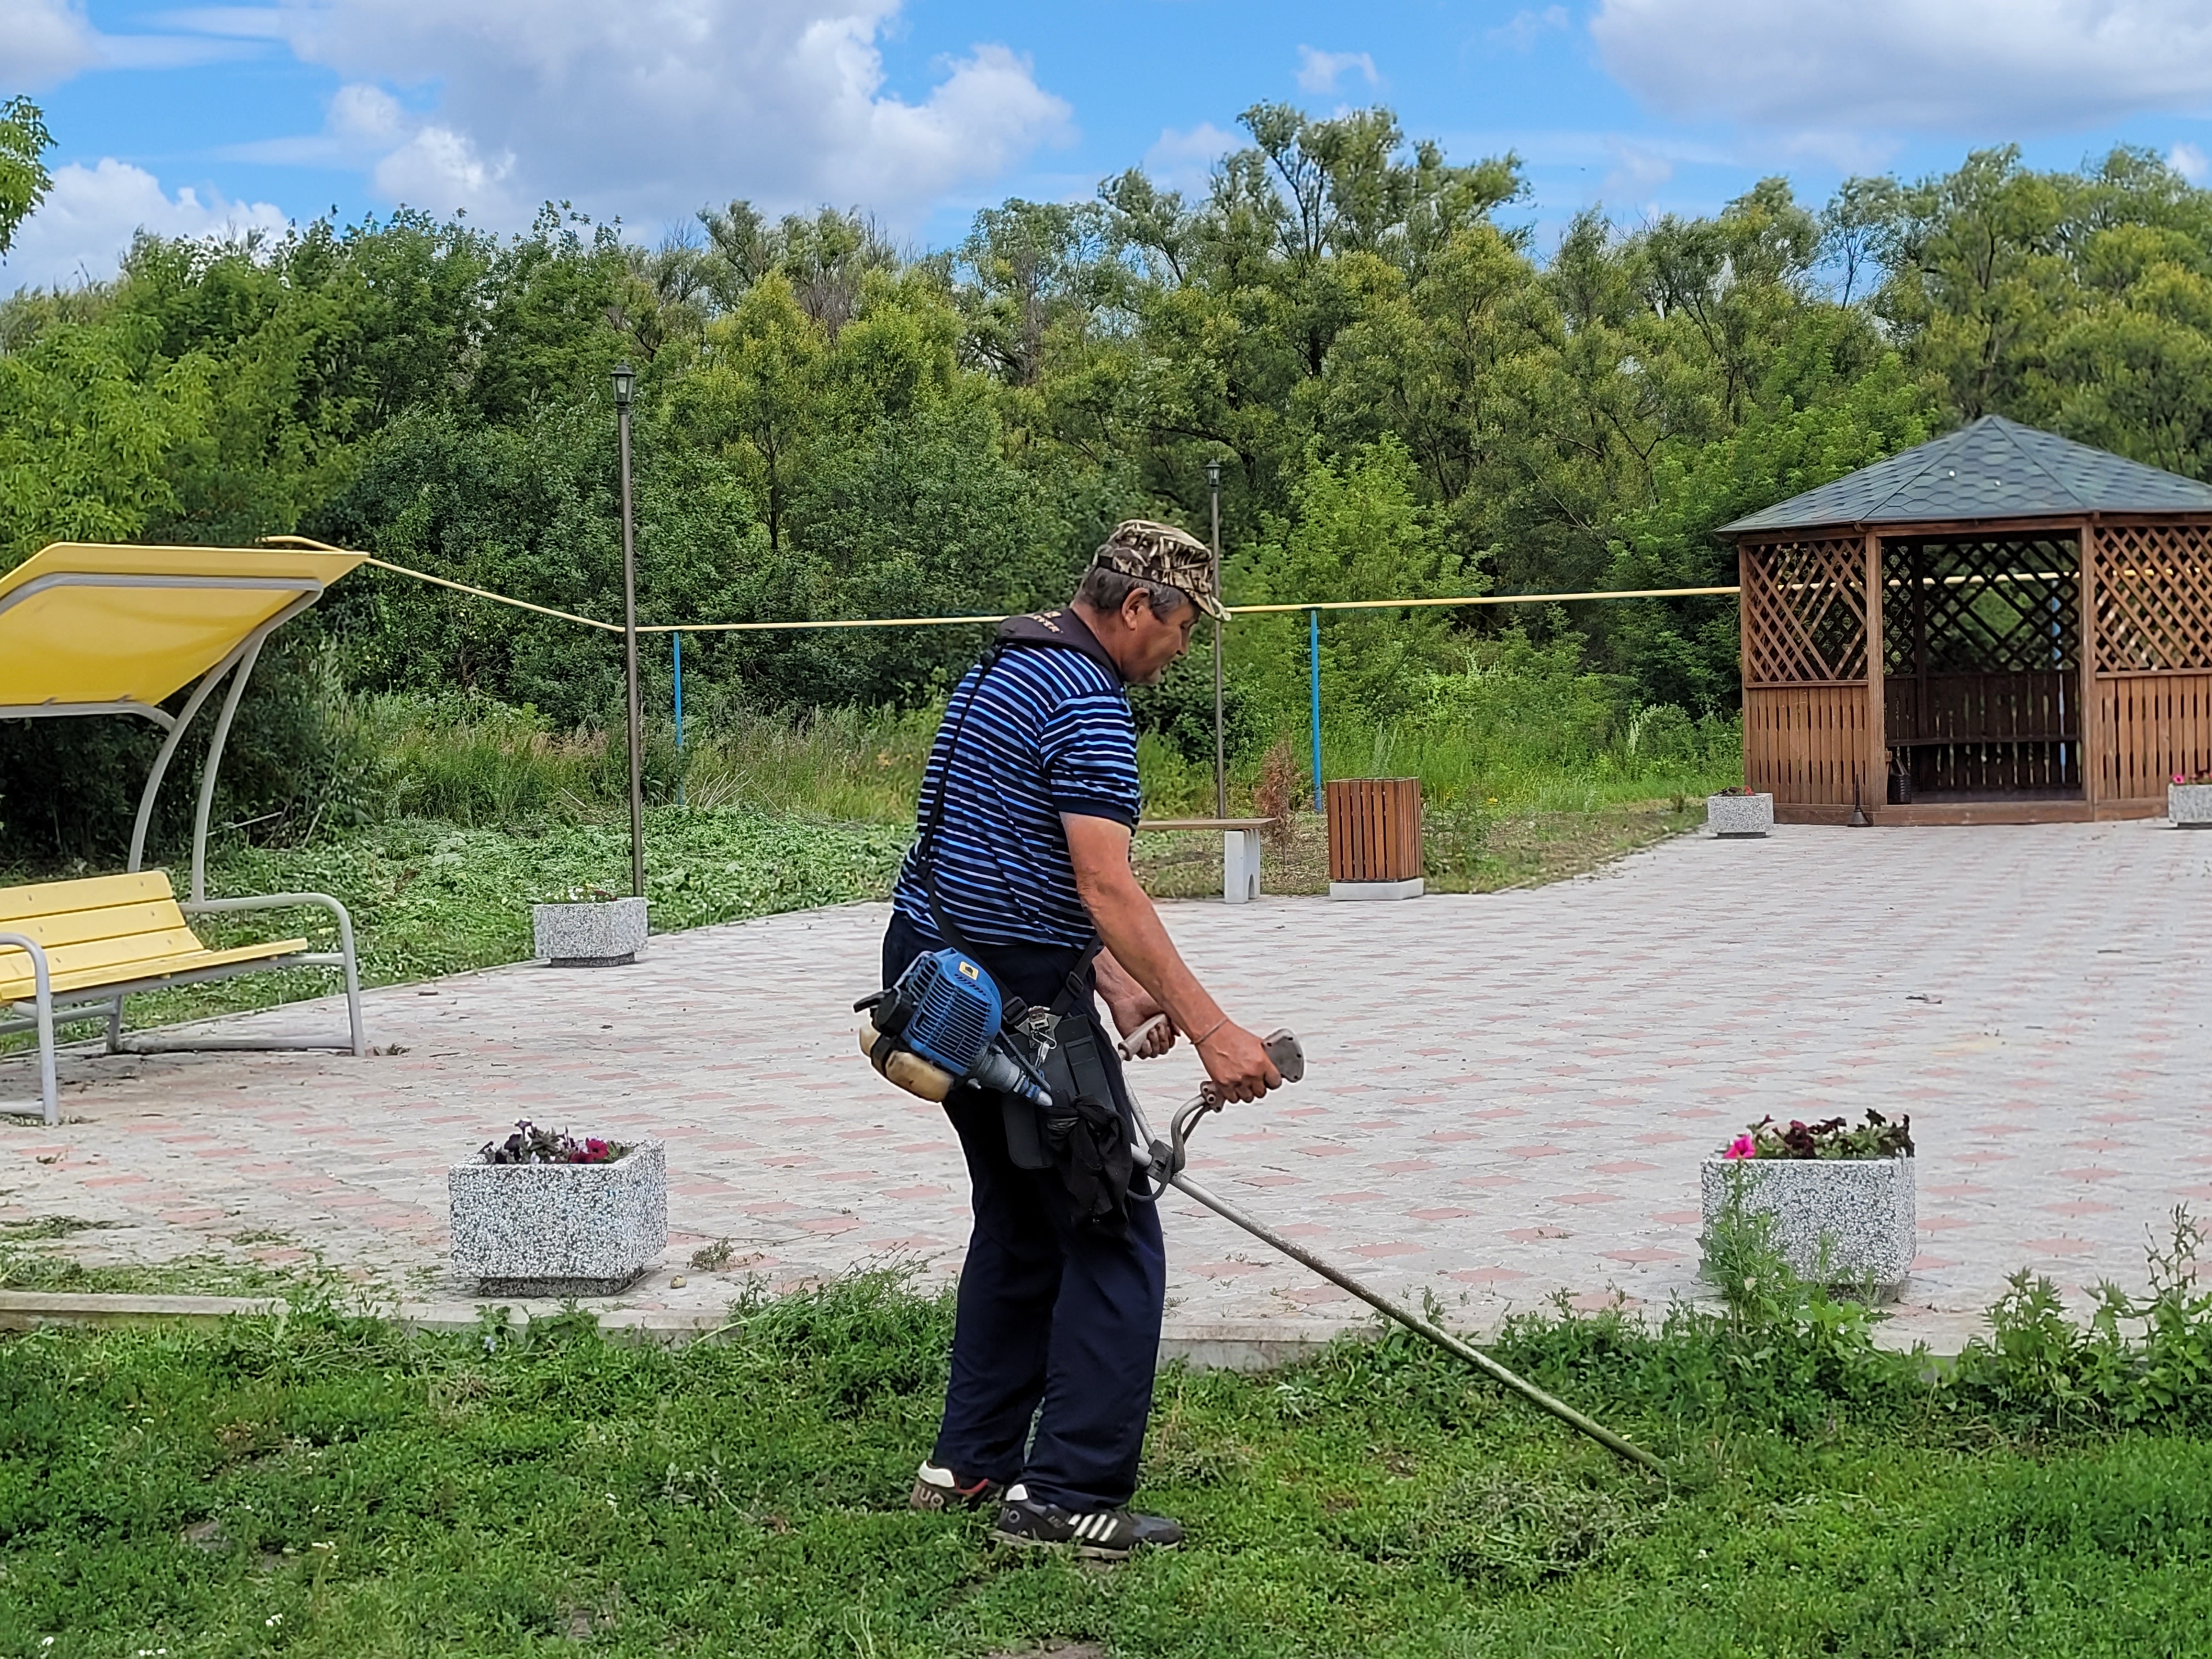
(89, 625)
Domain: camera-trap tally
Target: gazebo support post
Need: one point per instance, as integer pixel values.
(2093, 743)
(1876, 787)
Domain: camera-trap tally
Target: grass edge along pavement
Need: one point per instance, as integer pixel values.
(430, 896)
(320, 1483)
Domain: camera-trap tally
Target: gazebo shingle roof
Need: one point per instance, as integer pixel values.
(1993, 468)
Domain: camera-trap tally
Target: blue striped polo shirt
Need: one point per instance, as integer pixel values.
(1047, 731)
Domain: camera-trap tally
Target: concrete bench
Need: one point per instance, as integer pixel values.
(74, 949)
(1240, 850)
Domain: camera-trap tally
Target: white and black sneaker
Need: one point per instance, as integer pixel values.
(1100, 1535)
(936, 1487)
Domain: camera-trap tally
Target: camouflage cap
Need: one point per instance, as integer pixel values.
(1160, 553)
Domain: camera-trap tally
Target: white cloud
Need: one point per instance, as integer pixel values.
(1637, 171)
(2191, 161)
(84, 227)
(1319, 72)
(1833, 67)
(654, 108)
(43, 42)
(1184, 160)
(46, 42)
(1524, 29)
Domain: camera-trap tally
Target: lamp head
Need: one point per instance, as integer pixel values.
(625, 380)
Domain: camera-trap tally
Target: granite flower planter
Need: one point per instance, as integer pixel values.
(2190, 806)
(560, 1229)
(1843, 1221)
(1735, 816)
(589, 934)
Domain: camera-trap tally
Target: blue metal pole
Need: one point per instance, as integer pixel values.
(1313, 658)
(677, 640)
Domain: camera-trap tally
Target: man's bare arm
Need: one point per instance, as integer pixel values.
(1234, 1059)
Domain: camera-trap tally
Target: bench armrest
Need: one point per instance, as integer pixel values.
(40, 977)
(278, 902)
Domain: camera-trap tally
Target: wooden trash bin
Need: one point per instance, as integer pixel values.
(1375, 838)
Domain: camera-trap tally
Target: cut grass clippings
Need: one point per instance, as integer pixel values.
(327, 1486)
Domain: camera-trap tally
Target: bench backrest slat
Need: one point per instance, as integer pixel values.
(55, 898)
(117, 926)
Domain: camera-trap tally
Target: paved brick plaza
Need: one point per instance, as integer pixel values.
(1509, 1094)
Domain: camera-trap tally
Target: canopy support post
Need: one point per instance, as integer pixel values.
(245, 650)
(215, 763)
(167, 753)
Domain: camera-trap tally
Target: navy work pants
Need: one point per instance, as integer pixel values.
(1055, 1323)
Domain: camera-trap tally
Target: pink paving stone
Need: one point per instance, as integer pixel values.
(1326, 1151)
(1623, 1167)
(1407, 1166)
(1485, 1275)
(1603, 1301)
(1538, 1149)
(1941, 1223)
(1382, 1252)
(1554, 985)
(2090, 1174)
(1317, 1293)
(1225, 1269)
(1439, 1215)
(2079, 1207)
(1588, 1198)
(1929, 1264)
(835, 1223)
(1269, 1180)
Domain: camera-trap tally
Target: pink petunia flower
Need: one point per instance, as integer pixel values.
(1741, 1146)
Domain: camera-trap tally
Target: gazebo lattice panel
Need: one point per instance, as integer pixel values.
(2153, 585)
(1804, 612)
(1981, 659)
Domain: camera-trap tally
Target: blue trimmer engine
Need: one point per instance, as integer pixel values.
(944, 1024)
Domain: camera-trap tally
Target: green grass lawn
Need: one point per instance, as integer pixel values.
(431, 897)
(330, 1486)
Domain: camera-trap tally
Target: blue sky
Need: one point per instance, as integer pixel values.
(195, 120)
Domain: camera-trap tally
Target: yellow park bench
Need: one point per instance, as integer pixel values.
(92, 629)
(74, 949)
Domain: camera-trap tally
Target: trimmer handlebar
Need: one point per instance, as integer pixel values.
(1168, 1156)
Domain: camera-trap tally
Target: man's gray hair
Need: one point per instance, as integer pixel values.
(1105, 589)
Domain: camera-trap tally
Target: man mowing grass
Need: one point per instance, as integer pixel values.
(1023, 862)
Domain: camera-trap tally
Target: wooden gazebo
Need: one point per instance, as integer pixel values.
(2038, 647)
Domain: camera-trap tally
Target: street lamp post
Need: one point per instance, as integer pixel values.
(1220, 746)
(625, 382)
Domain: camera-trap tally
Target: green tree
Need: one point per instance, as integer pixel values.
(24, 180)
